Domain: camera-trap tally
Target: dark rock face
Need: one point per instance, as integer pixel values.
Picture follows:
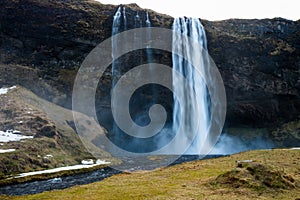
(54, 37)
(259, 59)
(49, 34)
(57, 34)
(48, 131)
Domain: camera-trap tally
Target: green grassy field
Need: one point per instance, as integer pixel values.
(273, 174)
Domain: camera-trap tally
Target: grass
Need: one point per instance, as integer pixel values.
(191, 180)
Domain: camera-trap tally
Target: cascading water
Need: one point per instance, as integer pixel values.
(138, 127)
(185, 112)
(115, 30)
(120, 24)
(116, 66)
(137, 42)
(196, 99)
(125, 19)
(137, 21)
(148, 23)
(149, 54)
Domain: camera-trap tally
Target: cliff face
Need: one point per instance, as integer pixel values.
(57, 33)
(259, 59)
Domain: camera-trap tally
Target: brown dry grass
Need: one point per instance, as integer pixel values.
(192, 180)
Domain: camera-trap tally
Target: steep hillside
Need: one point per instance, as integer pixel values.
(54, 141)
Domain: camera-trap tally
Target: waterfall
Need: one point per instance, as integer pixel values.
(196, 99)
(148, 50)
(138, 57)
(116, 66)
(124, 18)
(148, 23)
(194, 94)
(149, 55)
(137, 21)
(115, 30)
(119, 25)
(116, 22)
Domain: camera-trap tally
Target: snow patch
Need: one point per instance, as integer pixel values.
(59, 169)
(11, 136)
(102, 162)
(87, 162)
(295, 148)
(14, 131)
(48, 156)
(5, 90)
(6, 150)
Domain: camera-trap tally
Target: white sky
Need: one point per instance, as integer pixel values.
(220, 9)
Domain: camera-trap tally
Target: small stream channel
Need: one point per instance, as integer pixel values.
(34, 187)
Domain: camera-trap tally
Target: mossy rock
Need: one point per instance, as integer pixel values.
(256, 176)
